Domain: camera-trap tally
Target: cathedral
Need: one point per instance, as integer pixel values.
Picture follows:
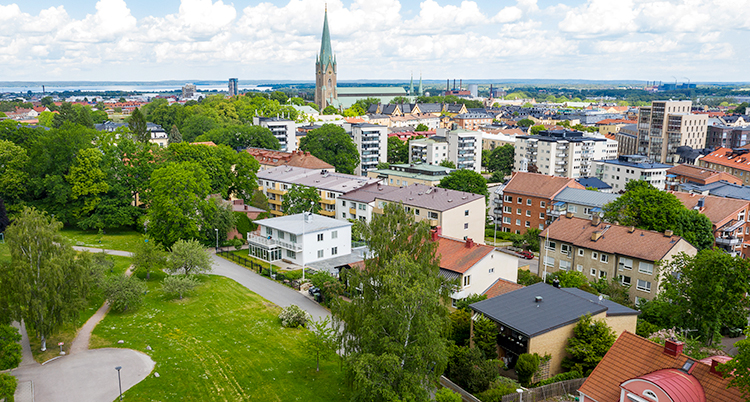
(325, 71)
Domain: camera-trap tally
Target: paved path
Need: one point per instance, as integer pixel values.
(27, 356)
(99, 250)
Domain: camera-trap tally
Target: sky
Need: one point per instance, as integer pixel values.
(139, 40)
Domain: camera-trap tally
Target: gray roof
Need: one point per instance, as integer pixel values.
(293, 223)
(623, 161)
(434, 198)
(367, 194)
(613, 308)
(593, 182)
(719, 189)
(520, 311)
(330, 265)
(585, 197)
(330, 181)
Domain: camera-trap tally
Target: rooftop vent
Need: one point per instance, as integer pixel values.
(631, 229)
(538, 299)
(668, 233)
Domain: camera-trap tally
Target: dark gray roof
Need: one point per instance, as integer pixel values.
(612, 307)
(520, 311)
(720, 189)
(593, 182)
(585, 197)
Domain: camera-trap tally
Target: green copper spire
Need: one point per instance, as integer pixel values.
(421, 90)
(411, 85)
(326, 54)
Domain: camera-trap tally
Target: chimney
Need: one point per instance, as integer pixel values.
(434, 234)
(631, 229)
(596, 235)
(538, 299)
(595, 220)
(673, 347)
(668, 233)
(568, 214)
(469, 243)
(714, 365)
(439, 230)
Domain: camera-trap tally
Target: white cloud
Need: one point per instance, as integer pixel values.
(508, 14)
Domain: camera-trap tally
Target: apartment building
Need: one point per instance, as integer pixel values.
(284, 130)
(562, 153)
(603, 250)
(736, 162)
(666, 125)
(407, 174)
(473, 120)
(697, 175)
(580, 203)
(491, 141)
(627, 140)
(462, 147)
(276, 182)
(726, 136)
(460, 215)
(618, 172)
(523, 202)
(372, 143)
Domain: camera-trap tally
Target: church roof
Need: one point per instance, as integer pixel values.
(326, 53)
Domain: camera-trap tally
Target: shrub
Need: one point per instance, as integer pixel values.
(498, 388)
(10, 348)
(178, 285)
(293, 317)
(560, 377)
(244, 224)
(8, 385)
(446, 395)
(468, 368)
(124, 292)
(527, 278)
(526, 366)
(645, 329)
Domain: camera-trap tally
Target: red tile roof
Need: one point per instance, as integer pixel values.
(615, 121)
(301, 159)
(458, 255)
(702, 175)
(632, 356)
(539, 185)
(500, 287)
(725, 157)
(717, 209)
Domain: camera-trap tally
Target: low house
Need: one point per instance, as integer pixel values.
(540, 318)
(638, 370)
(604, 250)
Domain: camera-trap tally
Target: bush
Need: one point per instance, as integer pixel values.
(460, 327)
(244, 224)
(178, 285)
(8, 385)
(468, 368)
(293, 317)
(124, 292)
(526, 366)
(645, 329)
(498, 388)
(560, 377)
(527, 278)
(446, 395)
(10, 348)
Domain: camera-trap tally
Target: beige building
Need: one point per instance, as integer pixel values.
(666, 125)
(562, 153)
(602, 250)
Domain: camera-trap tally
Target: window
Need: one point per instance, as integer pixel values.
(580, 252)
(434, 215)
(466, 226)
(466, 213)
(541, 226)
(407, 209)
(353, 204)
(343, 203)
(362, 207)
(269, 231)
(549, 261)
(572, 208)
(565, 265)
(520, 200)
(509, 210)
(646, 268)
(335, 234)
(528, 213)
(579, 268)
(281, 235)
(541, 215)
(320, 236)
(508, 198)
(467, 280)
(626, 263)
(528, 201)
(587, 211)
(291, 254)
(625, 280)
(334, 250)
(416, 212)
(565, 248)
(492, 270)
(593, 272)
(518, 211)
(518, 222)
(594, 255)
(550, 245)
(528, 224)
(320, 253)
(604, 258)
(643, 285)
(506, 220)
(602, 274)
(343, 215)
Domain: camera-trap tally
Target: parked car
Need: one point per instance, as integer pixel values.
(526, 254)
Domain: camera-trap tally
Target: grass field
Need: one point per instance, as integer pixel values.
(114, 239)
(4, 252)
(224, 343)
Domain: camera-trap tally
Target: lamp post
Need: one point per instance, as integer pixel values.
(304, 213)
(217, 239)
(119, 381)
(520, 394)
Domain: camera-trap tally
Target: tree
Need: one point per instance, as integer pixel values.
(525, 123)
(383, 165)
(485, 337)
(738, 369)
(10, 347)
(465, 180)
(329, 110)
(354, 111)
(45, 284)
(83, 117)
(707, 290)
(174, 135)
(8, 385)
(393, 340)
(460, 327)
(499, 159)
(590, 342)
(332, 144)
(124, 293)
(242, 136)
(189, 257)
(301, 199)
(4, 221)
(446, 395)
(195, 125)
(421, 127)
(447, 163)
(536, 129)
(469, 368)
(366, 102)
(400, 99)
(526, 366)
(137, 124)
(531, 237)
(322, 341)
(149, 256)
(87, 182)
(13, 174)
(178, 285)
(398, 151)
(219, 219)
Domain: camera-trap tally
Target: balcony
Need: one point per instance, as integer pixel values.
(561, 155)
(560, 162)
(562, 147)
(730, 241)
(560, 170)
(499, 200)
(271, 243)
(497, 211)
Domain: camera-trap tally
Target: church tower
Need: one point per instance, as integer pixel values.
(325, 71)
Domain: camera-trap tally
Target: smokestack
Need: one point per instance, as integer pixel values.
(454, 83)
(460, 84)
(447, 85)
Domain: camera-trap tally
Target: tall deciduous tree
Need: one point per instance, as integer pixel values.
(421, 127)
(87, 182)
(465, 180)
(45, 283)
(333, 145)
(398, 151)
(447, 163)
(301, 199)
(13, 175)
(322, 341)
(394, 336)
(485, 337)
(137, 124)
(708, 290)
(242, 136)
(189, 257)
(499, 159)
(149, 256)
(738, 369)
(590, 342)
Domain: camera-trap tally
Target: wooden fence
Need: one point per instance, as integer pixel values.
(547, 391)
(465, 396)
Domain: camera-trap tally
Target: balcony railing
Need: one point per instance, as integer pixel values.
(728, 241)
(269, 243)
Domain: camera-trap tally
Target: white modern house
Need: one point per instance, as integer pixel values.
(300, 239)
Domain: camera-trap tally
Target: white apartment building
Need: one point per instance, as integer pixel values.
(618, 172)
(301, 239)
(283, 129)
(563, 153)
(462, 147)
(372, 143)
(666, 125)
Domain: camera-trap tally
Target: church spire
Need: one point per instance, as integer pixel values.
(411, 85)
(421, 90)
(326, 53)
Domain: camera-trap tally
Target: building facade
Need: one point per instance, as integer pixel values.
(372, 143)
(283, 129)
(725, 136)
(325, 71)
(234, 88)
(408, 174)
(732, 161)
(462, 147)
(618, 172)
(562, 153)
(666, 125)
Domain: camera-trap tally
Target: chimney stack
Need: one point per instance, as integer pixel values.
(714, 365)
(668, 233)
(673, 347)
(434, 235)
(469, 243)
(595, 220)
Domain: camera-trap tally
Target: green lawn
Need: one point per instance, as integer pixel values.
(225, 343)
(114, 239)
(4, 252)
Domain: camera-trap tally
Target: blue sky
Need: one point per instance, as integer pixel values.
(115, 40)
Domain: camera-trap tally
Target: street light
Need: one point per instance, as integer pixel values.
(217, 239)
(520, 394)
(119, 381)
(312, 204)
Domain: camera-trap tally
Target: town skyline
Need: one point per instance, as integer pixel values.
(117, 40)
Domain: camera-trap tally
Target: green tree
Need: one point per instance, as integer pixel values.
(10, 347)
(525, 123)
(83, 117)
(531, 237)
(393, 340)
(465, 180)
(4, 221)
(460, 327)
(738, 369)
(244, 184)
(527, 278)
(322, 341)
(447, 163)
(398, 151)
(536, 129)
(366, 102)
(178, 285)
(383, 165)
(421, 127)
(87, 182)
(301, 199)
(45, 284)
(46, 119)
(137, 124)
(400, 99)
(174, 135)
(485, 337)
(526, 366)
(708, 291)
(590, 342)
(446, 395)
(242, 136)
(149, 256)
(464, 304)
(329, 110)
(332, 144)
(124, 293)
(197, 124)
(8, 385)
(468, 368)
(178, 190)
(13, 174)
(354, 111)
(499, 159)
(219, 219)
(189, 257)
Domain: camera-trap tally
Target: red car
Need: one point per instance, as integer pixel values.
(527, 255)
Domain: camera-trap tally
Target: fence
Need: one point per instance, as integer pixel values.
(241, 260)
(547, 391)
(465, 396)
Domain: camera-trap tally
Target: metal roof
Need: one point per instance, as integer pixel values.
(293, 223)
(584, 197)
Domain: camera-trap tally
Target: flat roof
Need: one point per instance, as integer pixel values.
(585, 197)
(293, 223)
(324, 180)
